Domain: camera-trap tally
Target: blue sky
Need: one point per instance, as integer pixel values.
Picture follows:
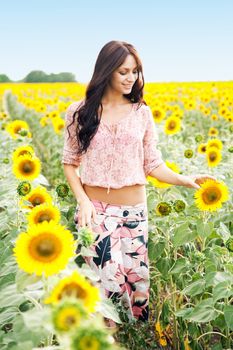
(177, 40)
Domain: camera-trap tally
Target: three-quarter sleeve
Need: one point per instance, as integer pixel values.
(152, 156)
(70, 148)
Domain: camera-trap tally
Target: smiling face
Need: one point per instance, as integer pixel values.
(124, 77)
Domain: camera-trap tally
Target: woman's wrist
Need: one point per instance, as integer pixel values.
(82, 199)
(181, 179)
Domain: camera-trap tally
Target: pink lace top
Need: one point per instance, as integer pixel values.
(120, 154)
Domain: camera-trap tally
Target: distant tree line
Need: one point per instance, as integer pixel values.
(38, 76)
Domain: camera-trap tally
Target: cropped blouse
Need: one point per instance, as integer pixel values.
(120, 154)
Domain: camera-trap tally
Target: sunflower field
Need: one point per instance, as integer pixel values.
(49, 298)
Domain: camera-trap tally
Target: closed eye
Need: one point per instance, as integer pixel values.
(122, 73)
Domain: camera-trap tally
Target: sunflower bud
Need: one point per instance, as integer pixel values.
(163, 209)
(188, 153)
(5, 161)
(68, 314)
(85, 236)
(179, 205)
(24, 188)
(230, 149)
(198, 138)
(23, 132)
(62, 190)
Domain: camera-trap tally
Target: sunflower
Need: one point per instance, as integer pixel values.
(214, 117)
(190, 104)
(188, 153)
(158, 113)
(213, 156)
(223, 111)
(206, 111)
(16, 127)
(177, 111)
(44, 249)
(76, 286)
(40, 107)
(44, 121)
(62, 190)
(179, 205)
(211, 195)
(58, 124)
(163, 209)
(91, 338)
(214, 143)
(21, 151)
(43, 212)
(67, 315)
(202, 148)
(212, 131)
(198, 138)
(172, 125)
(24, 188)
(37, 196)
(156, 183)
(26, 167)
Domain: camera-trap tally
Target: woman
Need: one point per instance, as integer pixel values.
(112, 135)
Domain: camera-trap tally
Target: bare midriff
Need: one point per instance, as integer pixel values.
(127, 195)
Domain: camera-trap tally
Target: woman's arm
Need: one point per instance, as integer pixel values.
(75, 182)
(165, 174)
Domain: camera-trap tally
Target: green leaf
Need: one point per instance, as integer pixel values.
(24, 280)
(182, 235)
(108, 309)
(7, 315)
(179, 265)
(163, 265)
(214, 278)
(223, 231)
(10, 297)
(155, 250)
(228, 314)
(194, 288)
(204, 229)
(204, 312)
(184, 313)
(222, 290)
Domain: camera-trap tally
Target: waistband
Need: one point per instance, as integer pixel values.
(137, 211)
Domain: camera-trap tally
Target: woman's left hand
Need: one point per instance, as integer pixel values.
(193, 181)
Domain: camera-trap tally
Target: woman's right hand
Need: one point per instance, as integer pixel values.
(86, 212)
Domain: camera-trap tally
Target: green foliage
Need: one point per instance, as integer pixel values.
(4, 78)
(38, 76)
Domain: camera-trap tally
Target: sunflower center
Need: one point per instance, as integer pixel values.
(73, 289)
(89, 343)
(172, 125)
(212, 156)
(211, 195)
(70, 320)
(157, 114)
(45, 247)
(37, 200)
(27, 167)
(44, 217)
(17, 129)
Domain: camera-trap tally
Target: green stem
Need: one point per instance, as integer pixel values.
(202, 335)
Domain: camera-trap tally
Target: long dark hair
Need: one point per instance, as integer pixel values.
(110, 57)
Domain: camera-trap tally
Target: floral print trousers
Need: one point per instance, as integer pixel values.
(121, 255)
